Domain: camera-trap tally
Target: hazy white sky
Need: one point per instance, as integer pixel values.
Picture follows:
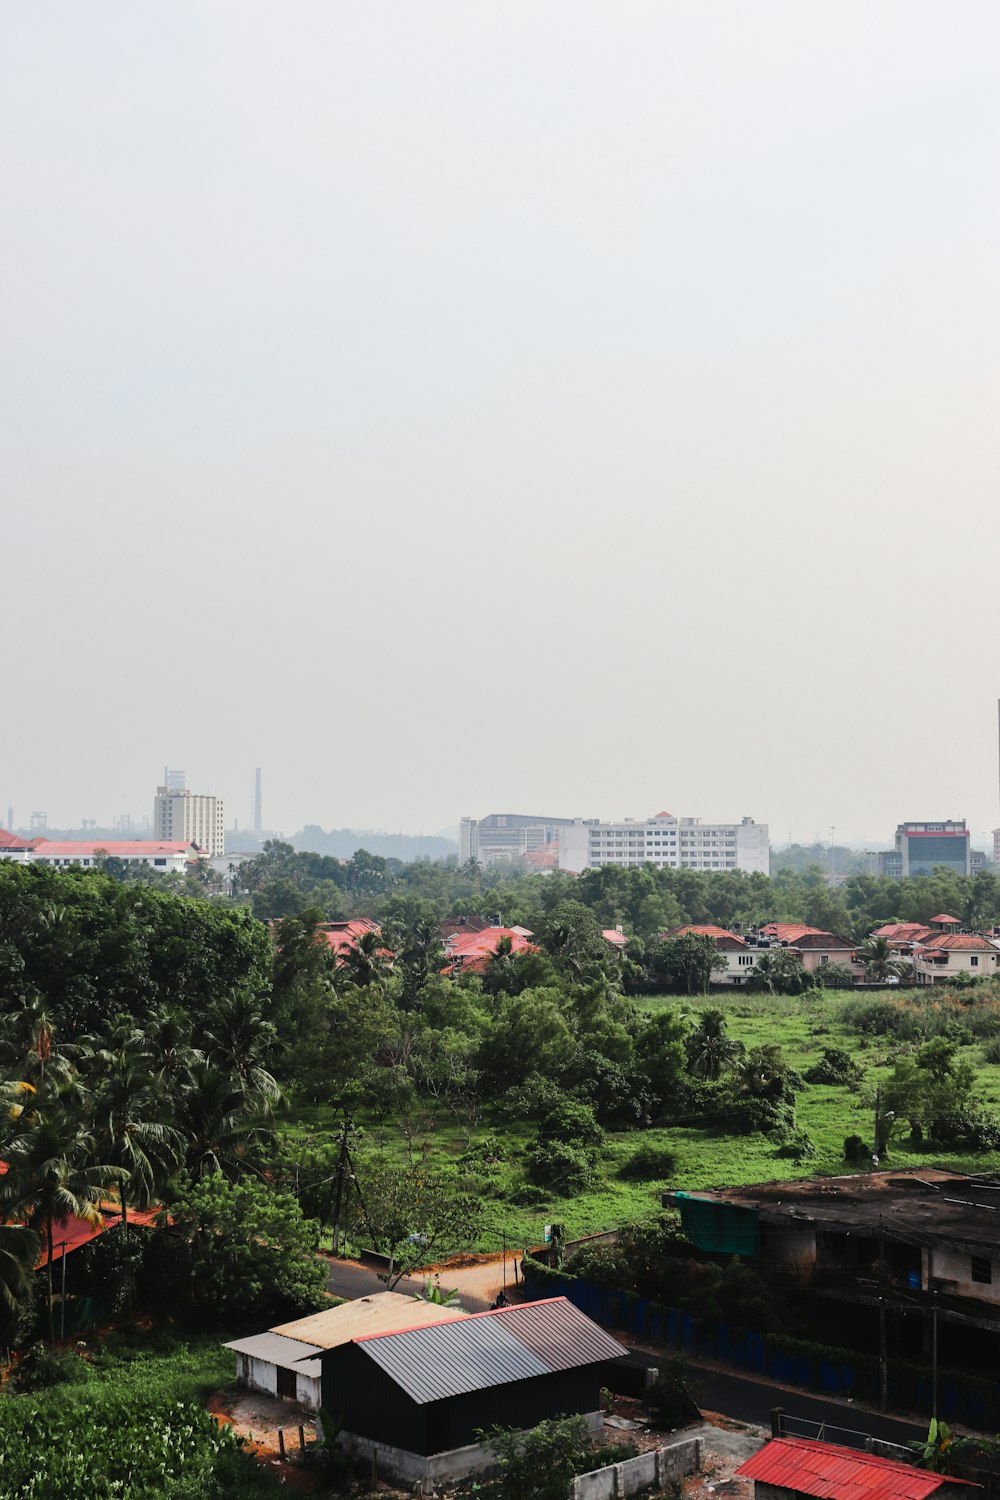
(563, 407)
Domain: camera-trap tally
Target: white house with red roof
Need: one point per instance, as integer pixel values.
(945, 955)
(163, 855)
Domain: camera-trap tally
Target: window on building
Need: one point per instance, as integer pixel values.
(974, 962)
(286, 1384)
(982, 1269)
(159, 861)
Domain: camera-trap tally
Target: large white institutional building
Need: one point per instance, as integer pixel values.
(663, 840)
(587, 843)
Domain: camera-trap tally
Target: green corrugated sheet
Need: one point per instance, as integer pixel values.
(726, 1228)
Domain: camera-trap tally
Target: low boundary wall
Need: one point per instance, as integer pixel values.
(640, 1473)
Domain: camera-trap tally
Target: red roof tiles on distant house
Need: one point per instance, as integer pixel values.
(545, 858)
(790, 932)
(946, 921)
(10, 840)
(721, 935)
(902, 932)
(342, 936)
(613, 936)
(829, 1472)
(966, 941)
(472, 952)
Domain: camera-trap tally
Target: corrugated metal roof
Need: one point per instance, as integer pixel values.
(287, 1354)
(487, 1349)
(830, 1472)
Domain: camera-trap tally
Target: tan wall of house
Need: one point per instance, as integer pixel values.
(956, 1266)
(958, 962)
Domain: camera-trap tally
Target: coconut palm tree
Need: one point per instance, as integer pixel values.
(54, 1173)
(365, 961)
(237, 1038)
(877, 957)
(219, 1129)
(709, 1049)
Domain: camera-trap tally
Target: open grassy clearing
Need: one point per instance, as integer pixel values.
(705, 1157)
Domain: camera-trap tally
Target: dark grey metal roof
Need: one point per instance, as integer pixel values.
(275, 1349)
(487, 1349)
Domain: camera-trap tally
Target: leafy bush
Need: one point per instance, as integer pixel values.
(246, 1248)
(542, 1464)
(39, 1368)
(668, 1399)
(991, 1052)
(836, 976)
(856, 1149)
(649, 1163)
(835, 1066)
(557, 1165)
(798, 1145)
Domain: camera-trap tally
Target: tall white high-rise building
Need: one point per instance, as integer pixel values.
(193, 818)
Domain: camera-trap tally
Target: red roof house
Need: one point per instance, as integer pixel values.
(471, 953)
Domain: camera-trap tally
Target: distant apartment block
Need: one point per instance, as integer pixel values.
(165, 856)
(189, 818)
(504, 837)
(668, 843)
(921, 847)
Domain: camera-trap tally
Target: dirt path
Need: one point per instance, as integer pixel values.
(478, 1280)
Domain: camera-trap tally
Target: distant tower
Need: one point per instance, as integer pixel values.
(174, 781)
(39, 822)
(257, 824)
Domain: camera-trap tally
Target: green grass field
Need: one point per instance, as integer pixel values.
(802, 1026)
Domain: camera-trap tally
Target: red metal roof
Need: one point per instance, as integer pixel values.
(830, 1472)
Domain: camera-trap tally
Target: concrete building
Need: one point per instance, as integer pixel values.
(666, 842)
(192, 817)
(921, 847)
(921, 1239)
(742, 953)
(502, 838)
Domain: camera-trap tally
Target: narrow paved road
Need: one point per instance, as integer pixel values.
(751, 1400)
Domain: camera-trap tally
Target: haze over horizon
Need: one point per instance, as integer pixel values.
(549, 407)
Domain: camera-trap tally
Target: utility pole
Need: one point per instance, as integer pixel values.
(934, 1357)
(62, 1296)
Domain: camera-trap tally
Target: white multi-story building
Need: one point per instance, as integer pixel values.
(191, 818)
(666, 841)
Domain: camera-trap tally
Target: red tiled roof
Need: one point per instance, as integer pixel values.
(613, 936)
(120, 850)
(945, 919)
(472, 951)
(704, 929)
(545, 858)
(10, 840)
(902, 932)
(829, 1472)
(342, 936)
(967, 941)
(790, 932)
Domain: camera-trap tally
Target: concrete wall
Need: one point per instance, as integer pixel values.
(956, 1266)
(257, 1374)
(655, 1468)
(425, 1475)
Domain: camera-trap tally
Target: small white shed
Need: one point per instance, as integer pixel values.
(279, 1366)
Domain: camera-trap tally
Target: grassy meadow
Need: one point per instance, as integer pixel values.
(706, 1157)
